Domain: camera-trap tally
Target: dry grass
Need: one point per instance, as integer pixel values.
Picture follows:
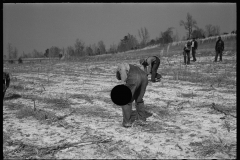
(152, 127)
(12, 96)
(209, 147)
(40, 115)
(57, 103)
(188, 95)
(161, 112)
(14, 106)
(6, 137)
(226, 109)
(229, 91)
(94, 111)
(82, 96)
(206, 89)
(197, 76)
(17, 87)
(97, 70)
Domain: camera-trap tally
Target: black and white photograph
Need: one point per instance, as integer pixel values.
(120, 80)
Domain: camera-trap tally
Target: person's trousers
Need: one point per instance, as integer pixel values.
(220, 55)
(4, 89)
(137, 82)
(186, 56)
(154, 73)
(194, 54)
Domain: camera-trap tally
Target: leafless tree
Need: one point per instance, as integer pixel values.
(208, 29)
(216, 30)
(79, 48)
(113, 48)
(89, 50)
(212, 30)
(70, 51)
(144, 35)
(189, 24)
(10, 50)
(101, 47)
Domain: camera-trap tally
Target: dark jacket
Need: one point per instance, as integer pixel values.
(195, 45)
(219, 45)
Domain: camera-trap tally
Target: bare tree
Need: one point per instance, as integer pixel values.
(127, 43)
(101, 47)
(54, 51)
(10, 50)
(212, 30)
(144, 36)
(208, 29)
(37, 54)
(175, 37)
(79, 48)
(70, 51)
(189, 24)
(89, 50)
(198, 33)
(15, 53)
(166, 37)
(94, 48)
(113, 48)
(216, 30)
(132, 41)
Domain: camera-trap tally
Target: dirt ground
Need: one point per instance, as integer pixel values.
(64, 110)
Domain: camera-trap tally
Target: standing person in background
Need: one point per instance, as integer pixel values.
(186, 52)
(219, 48)
(60, 55)
(152, 63)
(6, 82)
(136, 80)
(194, 48)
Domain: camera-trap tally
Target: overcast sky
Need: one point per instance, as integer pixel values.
(40, 26)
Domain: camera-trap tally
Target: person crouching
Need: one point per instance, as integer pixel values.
(152, 63)
(136, 80)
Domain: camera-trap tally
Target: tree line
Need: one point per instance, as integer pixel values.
(129, 42)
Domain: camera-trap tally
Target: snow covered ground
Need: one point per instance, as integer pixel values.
(185, 124)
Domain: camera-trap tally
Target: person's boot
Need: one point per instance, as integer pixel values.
(127, 125)
(141, 112)
(158, 76)
(220, 58)
(127, 111)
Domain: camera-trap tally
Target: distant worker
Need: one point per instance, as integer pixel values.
(194, 48)
(6, 82)
(219, 48)
(20, 60)
(151, 65)
(60, 55)
(136, 80)
(186, 52)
